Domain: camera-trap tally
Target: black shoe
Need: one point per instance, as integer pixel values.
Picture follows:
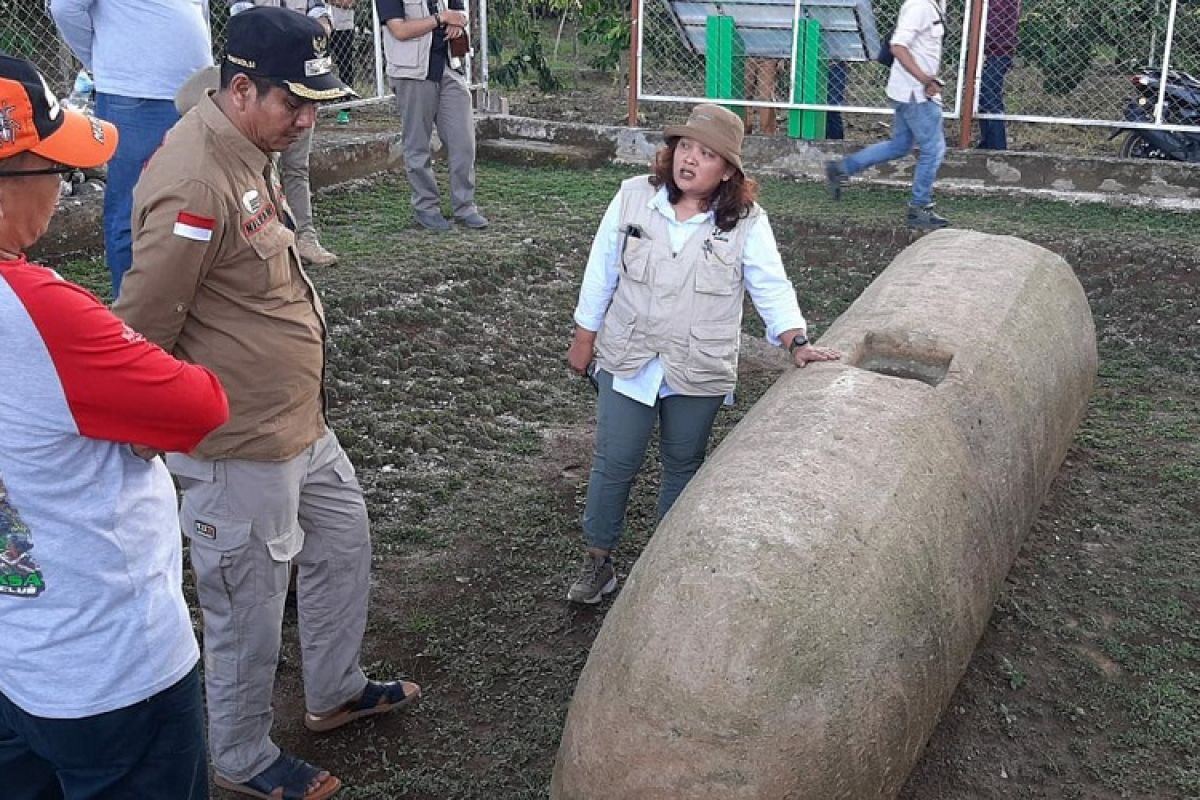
(924, 218)
(835, 178)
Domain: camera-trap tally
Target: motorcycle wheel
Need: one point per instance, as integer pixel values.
(1136, 146)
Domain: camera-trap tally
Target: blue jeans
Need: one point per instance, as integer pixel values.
(154, 748)
(992, 133)
(141, 125)
(916, 124)
(623, 429)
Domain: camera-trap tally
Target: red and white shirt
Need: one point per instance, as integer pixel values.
(91, 610)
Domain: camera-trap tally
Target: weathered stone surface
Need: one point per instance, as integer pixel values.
(798, 622)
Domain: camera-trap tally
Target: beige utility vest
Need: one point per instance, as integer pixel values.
(685, 308)
(409, 58)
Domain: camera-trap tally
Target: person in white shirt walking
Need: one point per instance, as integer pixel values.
(915, 91)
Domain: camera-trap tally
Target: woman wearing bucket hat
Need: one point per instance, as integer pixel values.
(659, 318)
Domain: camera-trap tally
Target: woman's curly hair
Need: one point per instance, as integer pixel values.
(729, 202)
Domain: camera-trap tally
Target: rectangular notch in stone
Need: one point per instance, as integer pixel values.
(896, 357)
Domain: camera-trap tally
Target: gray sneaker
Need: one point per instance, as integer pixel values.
(596, 579)
(835, 178)
(433, 220)
(474, 220)
(925, 218)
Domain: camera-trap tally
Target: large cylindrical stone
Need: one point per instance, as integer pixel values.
(799, 620)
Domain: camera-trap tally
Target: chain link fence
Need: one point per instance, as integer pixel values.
(1047, 61)
(770, 65)
(28, 30)
(1043, 61)
(1075, 60)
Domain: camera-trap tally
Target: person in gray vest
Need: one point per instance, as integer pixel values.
(431, 89)
(659, 318)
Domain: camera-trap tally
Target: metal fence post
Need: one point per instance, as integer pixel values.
(808, 82)
(724, 66)
(970, 75)
(631, 118)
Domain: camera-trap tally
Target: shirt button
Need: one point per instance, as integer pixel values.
(180, 308)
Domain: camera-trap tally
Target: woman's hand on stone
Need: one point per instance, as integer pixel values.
(802, 356)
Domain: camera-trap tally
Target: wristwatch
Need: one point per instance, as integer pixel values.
(799, 341)
(437, 17)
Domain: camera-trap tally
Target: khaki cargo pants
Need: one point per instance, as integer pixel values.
(247, 521)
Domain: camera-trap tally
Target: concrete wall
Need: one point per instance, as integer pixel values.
(801, 617)
(337, 156)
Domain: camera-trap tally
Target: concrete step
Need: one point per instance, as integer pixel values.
(529, 152)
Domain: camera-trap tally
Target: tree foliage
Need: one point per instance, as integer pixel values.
(515, 43)
(515, 38)
(1068, 39)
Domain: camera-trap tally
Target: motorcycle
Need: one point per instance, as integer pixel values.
(1181, 106)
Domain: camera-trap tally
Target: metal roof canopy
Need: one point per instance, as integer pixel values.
(847, 26)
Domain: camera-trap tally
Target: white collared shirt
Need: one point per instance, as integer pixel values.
(762, 270)
(920, 28)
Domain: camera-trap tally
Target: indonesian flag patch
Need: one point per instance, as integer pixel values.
(194, 227)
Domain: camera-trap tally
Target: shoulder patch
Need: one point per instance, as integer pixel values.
(194, 227)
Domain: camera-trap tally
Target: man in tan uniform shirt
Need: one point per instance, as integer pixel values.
(217, 280)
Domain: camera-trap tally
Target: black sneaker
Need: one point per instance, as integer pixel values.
(835, 178)
(924, 218)
(596, 579)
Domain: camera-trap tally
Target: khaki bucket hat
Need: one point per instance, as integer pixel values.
(717, 128)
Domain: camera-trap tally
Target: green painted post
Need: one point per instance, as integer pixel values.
(725, 62)
(810, 78)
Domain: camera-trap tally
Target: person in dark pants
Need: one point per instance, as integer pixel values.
(99, 682)
(432, 90)
(836, 82)
(1000, 43)
(341, 39)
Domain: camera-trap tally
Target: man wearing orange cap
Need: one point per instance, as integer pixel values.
(99, 680)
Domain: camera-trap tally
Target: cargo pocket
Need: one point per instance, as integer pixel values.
(219, 533)
(613, 341)
(635, 259)
(712, 354)
(225, 571)
(720, 272)
(344, 470)
(270, 243)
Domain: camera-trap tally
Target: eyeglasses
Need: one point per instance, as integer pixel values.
(59, 169)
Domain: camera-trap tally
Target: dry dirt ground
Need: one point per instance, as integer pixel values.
(472, 443)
